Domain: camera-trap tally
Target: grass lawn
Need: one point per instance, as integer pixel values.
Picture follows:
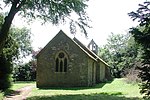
(118, 89)
(21, 84)
(15, 86)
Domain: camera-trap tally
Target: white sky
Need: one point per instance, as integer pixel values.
(107, 16)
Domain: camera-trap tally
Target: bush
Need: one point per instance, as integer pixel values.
(5, 73)
(25, 72)
(132, 76)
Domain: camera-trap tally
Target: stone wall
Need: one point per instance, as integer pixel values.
(82, 70)
(98, 72)
(102, 71)
(77, 70)
(91, 72)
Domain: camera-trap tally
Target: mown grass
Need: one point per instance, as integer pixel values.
(101, 96)
(118, 89)
(20, 84)
(1, 95)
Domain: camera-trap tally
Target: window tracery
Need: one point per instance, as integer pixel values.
(61, 62)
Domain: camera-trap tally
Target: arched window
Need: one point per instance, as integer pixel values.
(65, 65)
(57, 64)
(61, 62)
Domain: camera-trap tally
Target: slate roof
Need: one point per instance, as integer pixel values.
(89, 51)
(85, 49)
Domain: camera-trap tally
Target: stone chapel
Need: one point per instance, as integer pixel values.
(66, 62)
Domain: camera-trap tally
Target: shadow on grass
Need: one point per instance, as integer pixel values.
(100, 85)
(10, 92)
(20, 82)
(101, 96)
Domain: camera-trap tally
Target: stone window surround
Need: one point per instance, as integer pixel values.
(61, 62)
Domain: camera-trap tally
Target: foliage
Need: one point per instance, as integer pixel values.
(23, 40)
(25, 72)
(18, 43)
(5, 62)
(5, 73)
(16, 47)
(55, 11)
(132, 76)
(142, 37)
(120, 52)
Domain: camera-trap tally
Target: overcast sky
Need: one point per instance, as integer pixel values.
(107, 16)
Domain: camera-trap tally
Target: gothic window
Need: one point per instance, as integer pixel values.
(57, 64)
(61, 62)
(65, 65)
(61, 66)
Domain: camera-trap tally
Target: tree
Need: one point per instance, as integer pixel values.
(16, 47)
(120, 52)
(113, 50)
(25, 72)
(22, 38)
(5, 73)
(142, 37)
(54, 11)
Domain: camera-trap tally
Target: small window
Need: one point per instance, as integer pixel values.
(61, 62)
(61, 55)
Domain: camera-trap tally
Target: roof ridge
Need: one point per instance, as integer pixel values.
(88, 50)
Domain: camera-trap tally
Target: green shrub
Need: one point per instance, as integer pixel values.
(5, 73)
(25, 72)
(132, 76)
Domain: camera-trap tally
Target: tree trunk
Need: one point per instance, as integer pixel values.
(6, 26)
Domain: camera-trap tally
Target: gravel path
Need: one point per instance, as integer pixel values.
(20, 94)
